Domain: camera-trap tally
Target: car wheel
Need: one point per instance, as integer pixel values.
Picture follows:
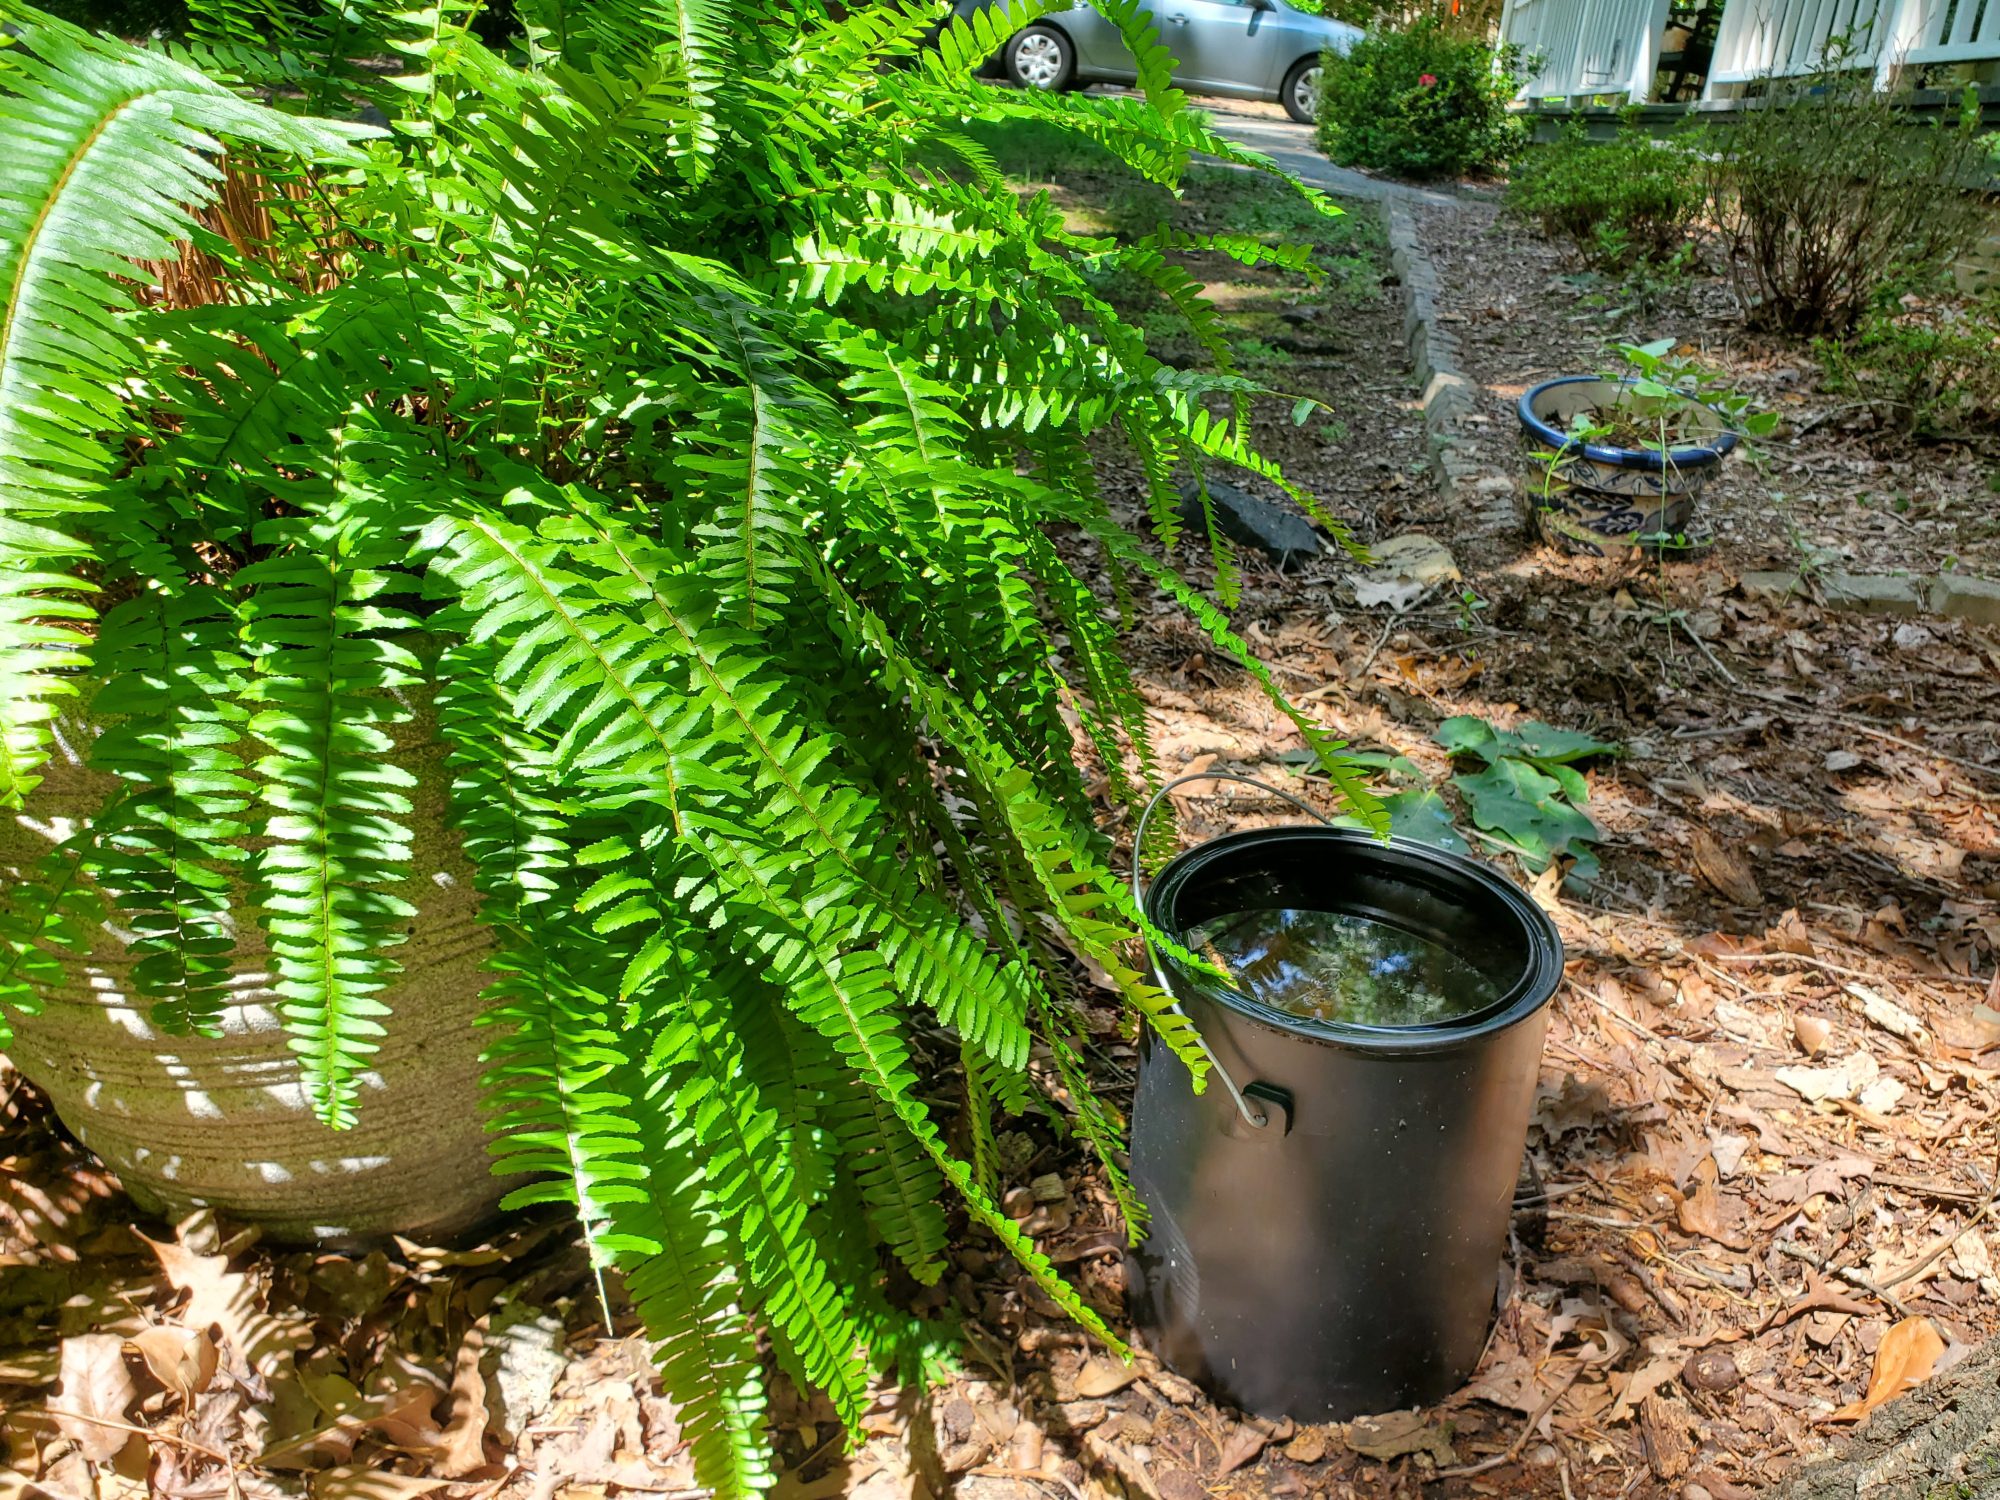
(1041, 58)
(1300, 95)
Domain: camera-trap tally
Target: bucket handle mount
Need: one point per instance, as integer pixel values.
(1254, 1110)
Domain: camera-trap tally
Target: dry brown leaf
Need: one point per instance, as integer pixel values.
(1396, 1433)
(1644, 1381)
(403, 1419)
(1509, 1381)
(232, 1301)
(1813, 1033)
(1841, 1080)
(181, 1359)
(465, 1433)
(1891, 1017)
(1103, 1376)
(358, 1482)
(1903, 1360)
(1241, 1447)
(1790, 935)
(1577, 1105)
(1978, 1032)
(1724, 869)
(1702, 1212)
(94, 1384)
(1309, 1447)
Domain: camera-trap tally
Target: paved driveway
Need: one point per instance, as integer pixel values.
(1291, 146)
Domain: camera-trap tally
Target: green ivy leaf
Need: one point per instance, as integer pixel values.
(1546, 745)
(1468, 734)
(1519, 808)
(1421, 814)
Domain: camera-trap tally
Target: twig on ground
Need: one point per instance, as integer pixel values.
(145, 1432)
(1702, 646)
(1815, 961)
(1937, 1251)
(1702, 1273)
(1866, 728)
(1565, 1216)
(1930, 1189)
(1388, 627)
(1528, 1427)
(1852, 1277)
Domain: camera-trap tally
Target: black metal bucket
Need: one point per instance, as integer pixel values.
(1329, 1216)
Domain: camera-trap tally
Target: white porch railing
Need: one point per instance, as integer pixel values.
(1584, 47)
(1597, 47)
(1948, 31)
(1784, 38)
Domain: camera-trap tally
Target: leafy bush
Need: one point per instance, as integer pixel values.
(1829, 191)
(1418, 103)
(1616, 203)
(681, 405)
(1925, 365)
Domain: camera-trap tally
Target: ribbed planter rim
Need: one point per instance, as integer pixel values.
(1698, 456)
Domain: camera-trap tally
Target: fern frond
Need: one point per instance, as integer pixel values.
(751, 1186)
(109, 150)
(336, 837)
(48, 918)
(686, 1290)
(173, 854)
(899, 1187)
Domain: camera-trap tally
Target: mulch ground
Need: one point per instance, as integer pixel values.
(1768, 1127)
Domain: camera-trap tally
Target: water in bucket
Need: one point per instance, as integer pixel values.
(1339, 967)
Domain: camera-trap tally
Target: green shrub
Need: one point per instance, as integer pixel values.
(1924, 365)
(683, 405)
(1418, 103)
(1829, 191)
(1615, 203)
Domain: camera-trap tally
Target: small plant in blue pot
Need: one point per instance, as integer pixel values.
(1623, 457)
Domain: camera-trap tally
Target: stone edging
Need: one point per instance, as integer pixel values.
(1449, 394)
(1956, 596)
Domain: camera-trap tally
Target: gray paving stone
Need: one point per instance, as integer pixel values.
(1873, 593)
(1770, 585)
(1961, 597)
(1448, 396)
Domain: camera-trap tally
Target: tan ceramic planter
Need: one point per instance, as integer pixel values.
(222, 1121)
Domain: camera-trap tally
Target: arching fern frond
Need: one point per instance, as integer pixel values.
(172, 856)
(108, 150)
(337, 835)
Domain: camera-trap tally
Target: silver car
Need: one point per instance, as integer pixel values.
(1240, 49)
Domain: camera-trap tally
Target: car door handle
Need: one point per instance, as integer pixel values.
(1178, 20)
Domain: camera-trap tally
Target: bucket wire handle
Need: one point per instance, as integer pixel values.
(1253, 1114)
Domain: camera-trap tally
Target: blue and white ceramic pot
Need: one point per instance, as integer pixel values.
(1600, 499)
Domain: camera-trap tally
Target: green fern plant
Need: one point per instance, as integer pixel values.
(679, 400)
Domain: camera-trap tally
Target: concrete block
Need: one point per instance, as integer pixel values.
(1450, 390)
(1773, 586)
(1873, 593)
(1959, 596)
